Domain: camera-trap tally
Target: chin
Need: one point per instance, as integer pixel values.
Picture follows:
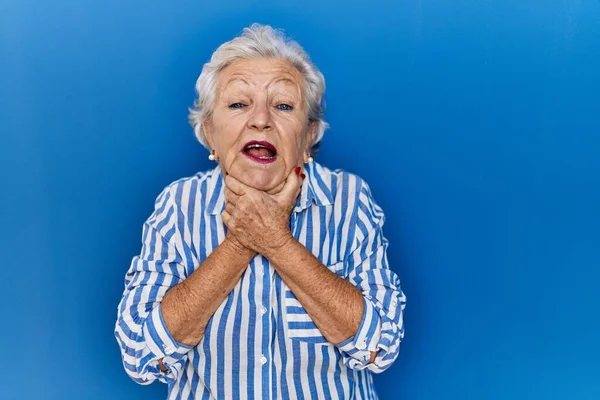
(258, 181)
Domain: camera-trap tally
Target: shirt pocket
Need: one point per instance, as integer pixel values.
(299, 324)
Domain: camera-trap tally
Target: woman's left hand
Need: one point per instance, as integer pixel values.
(259, 220)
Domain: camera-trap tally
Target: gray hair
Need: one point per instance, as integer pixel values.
(259, 41)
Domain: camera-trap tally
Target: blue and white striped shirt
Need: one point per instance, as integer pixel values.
(261, 343)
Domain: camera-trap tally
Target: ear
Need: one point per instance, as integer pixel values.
(207, 128)
(308, 139)
(310, 135)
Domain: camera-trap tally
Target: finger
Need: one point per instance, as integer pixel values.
(229, 208)
(235, 186)
(226, 217)
(230, 196)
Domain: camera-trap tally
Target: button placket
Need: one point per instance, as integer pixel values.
(263, 304)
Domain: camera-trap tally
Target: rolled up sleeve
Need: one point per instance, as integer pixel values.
(381, 329)
(140, 330)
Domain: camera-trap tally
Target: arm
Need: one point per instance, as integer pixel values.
(188, 307)
(381, 329)
(162, 314)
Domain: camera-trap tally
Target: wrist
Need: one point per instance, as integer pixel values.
(237, 248)
(280, 245)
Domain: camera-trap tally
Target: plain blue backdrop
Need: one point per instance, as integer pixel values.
(476, 124)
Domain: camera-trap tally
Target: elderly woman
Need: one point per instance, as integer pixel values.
(267, 276)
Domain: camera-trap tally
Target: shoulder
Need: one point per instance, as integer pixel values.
(342, 183)
(184, 191)
(350, 192)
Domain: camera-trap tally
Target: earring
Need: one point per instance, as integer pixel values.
(309, 159)
(212, 156)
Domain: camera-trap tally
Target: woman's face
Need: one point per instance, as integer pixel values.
(258, 128)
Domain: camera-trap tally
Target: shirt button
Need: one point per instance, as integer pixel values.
(263, 360)
(263, 310)
(361, 346)
(168, 350)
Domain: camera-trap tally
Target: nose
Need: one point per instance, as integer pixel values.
(260, 118)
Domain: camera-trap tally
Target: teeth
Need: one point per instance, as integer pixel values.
(258, 146)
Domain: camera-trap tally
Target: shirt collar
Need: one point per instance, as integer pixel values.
(315, 188)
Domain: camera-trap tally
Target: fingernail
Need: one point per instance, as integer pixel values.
(297, 170)
(303, 176)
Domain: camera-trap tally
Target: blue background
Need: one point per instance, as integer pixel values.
(476, 123)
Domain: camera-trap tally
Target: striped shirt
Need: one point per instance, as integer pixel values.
(261, 343)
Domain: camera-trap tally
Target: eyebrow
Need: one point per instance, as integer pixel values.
(298, 90)
(233, 79)
(283, 79)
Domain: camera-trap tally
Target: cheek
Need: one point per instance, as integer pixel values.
(227, 133)
(292, 133)
(293, 149)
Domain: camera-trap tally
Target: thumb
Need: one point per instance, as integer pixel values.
(291, 189)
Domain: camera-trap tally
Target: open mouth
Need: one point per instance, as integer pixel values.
(260, 151)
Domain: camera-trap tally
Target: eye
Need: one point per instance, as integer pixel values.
(284, 107)
(237, 105)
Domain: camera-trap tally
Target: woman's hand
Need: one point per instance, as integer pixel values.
(261, 221)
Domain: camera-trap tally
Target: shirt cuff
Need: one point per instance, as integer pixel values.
(159, 339)
(367, 336)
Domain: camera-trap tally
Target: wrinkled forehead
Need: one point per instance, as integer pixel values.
(261, 74)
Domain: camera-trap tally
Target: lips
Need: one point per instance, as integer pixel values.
(260, 151)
